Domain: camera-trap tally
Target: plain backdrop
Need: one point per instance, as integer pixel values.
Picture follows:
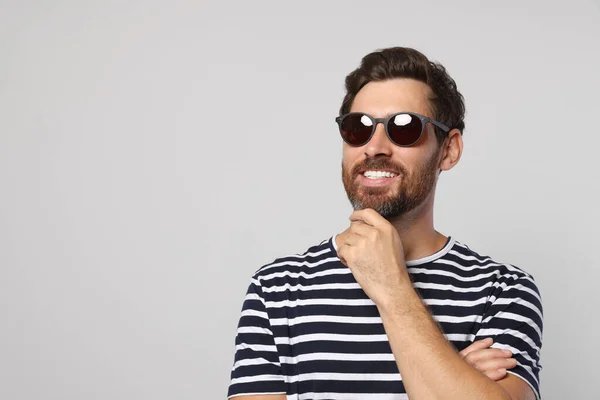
(154, 154)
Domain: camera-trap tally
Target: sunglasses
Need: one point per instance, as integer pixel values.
(403, 128)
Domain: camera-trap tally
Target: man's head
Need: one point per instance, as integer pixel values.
(387, 82)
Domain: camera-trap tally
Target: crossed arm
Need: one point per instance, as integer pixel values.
(477, 372)
(430, 366)
(486, 365)
(486, 361)
(433, 369)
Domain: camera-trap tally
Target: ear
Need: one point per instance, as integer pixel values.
(453, 147)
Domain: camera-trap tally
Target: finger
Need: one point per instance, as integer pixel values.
(352, 239)
(368, 216)
(478, 345)
(496, 375)
(487, 354)
(340, 237)
(341, 253)
(361, 229)
(495, 364)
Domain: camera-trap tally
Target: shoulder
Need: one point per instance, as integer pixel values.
(310, 261)
(504, 277)
(463, 254)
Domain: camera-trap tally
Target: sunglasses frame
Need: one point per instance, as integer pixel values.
(385, 121)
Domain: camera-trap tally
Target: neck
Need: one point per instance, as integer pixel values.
(415, 228)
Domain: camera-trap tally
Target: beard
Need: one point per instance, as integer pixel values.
(391, 201)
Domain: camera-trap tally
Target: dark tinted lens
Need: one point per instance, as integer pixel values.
(404, 129)
(356, 129)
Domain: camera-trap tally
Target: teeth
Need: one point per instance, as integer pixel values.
(378, 174)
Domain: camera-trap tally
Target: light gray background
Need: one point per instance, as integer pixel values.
(154, 154)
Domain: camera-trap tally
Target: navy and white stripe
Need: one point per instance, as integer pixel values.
(308, 330)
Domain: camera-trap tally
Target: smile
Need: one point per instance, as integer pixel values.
(379, 174)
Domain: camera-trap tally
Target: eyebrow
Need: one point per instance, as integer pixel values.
(406, 111)
(386, 115)
(396, 112)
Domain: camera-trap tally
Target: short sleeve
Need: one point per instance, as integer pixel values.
(256, 368)
(514, 320)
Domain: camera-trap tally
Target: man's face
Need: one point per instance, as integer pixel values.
(415, 167)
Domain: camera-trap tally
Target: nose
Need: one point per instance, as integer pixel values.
(379, 144)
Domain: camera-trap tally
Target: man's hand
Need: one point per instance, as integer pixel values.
(492, 362)
(372, 249)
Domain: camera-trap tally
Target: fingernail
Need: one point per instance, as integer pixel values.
(508, 352)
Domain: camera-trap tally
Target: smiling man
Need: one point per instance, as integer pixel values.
(391, 308)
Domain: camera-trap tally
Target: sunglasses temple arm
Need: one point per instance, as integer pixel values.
(440, 125)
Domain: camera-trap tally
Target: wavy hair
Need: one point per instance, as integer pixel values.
(446, 102)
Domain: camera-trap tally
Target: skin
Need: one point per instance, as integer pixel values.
(376, 249)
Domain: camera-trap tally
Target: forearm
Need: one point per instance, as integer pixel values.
(429, 365)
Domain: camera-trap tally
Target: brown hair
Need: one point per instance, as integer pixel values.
(447, 104)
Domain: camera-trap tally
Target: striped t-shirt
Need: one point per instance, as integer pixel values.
(308, 330)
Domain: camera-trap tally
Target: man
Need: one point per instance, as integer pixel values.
(390, 308)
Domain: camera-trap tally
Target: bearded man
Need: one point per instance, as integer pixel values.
(391, 308)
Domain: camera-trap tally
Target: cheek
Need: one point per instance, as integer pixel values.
(350, 155)
(347, 150)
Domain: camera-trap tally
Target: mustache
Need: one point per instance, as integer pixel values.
(378, 163)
